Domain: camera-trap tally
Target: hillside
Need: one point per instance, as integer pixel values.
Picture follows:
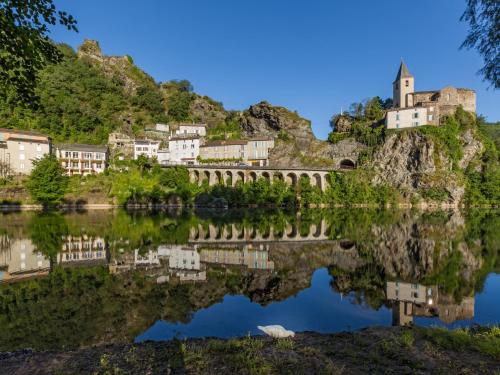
(89, 94)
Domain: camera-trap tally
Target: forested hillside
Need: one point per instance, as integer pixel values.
(88, 95)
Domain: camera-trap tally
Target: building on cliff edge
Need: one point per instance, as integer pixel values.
(416, 108)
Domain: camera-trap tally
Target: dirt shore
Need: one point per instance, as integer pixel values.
(378, 350)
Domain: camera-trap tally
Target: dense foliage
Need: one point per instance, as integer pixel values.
(47, 182)
(483, 17)
(25, 47)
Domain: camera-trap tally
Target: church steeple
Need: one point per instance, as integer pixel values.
(403, 72)
(403, 87)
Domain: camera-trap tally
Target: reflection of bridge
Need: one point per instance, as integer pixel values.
(235, 233)
(230, 175)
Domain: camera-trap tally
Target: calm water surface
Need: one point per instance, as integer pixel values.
(76, 279)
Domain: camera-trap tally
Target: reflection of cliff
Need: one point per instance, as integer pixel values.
(431, 248)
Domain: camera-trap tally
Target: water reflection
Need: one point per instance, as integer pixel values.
(80, 279)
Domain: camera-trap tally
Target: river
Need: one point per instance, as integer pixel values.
(74, 279)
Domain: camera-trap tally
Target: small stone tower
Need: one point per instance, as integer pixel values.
(403, 86)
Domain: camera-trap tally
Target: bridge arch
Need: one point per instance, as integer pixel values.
(278, 176)
(240, 176)
(252, 176)
(229, 180)
(206, 176)
(291, 179)
(316, 180)
(266, 176)
(218, 177)
(194, 176)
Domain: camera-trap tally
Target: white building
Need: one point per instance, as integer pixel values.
(192, 129)
(408, 117)
(253, 151)
(78, 159)
(184, 149)
(146, 148)
(180, 257)
(164, 156)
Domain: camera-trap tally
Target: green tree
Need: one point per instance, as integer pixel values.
(47, 183)
(24, 44)
(47, 231)
(483, 17)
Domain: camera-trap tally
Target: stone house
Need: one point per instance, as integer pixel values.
(253, 151)
(19, 148)
(416, 108)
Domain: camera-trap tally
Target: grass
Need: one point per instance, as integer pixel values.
(485, 340)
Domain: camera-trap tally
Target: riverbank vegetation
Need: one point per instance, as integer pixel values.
(392, 350)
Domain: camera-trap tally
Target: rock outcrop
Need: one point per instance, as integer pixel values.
(121, 67)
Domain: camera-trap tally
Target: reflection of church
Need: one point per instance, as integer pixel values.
(410, 300)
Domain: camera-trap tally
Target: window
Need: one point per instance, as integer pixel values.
(21, 166)
(75, 155)
(397, 126)
(415, 115)
(86, 165)
(431, 117)
(397, 117)
(21, 156)
(415, 123)
(21, 147)
(87, 155)
(67, 154)
(431, 109)
(38, 148)
(192, 145)
(407, 83)
(99, 156)
(448, 97)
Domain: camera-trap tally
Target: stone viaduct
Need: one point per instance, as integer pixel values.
(240, 234)
(230, 175)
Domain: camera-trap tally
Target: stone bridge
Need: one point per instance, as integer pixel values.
(240, 234)
(230, 175)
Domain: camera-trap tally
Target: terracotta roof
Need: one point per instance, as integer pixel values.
(195, 125)
(225, 142)
(185, 138)
(23, 132)
(34, 140)
(81, 147)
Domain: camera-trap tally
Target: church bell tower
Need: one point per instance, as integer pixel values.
(403, 86)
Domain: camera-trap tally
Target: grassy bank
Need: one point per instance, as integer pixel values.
(392, 350)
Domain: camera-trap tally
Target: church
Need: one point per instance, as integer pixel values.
(416, 108)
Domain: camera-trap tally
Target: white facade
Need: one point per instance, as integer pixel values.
(180, 258)
(184, 150)
(407, 118)
(192, 129)
(146, 148)
(162, 127)
(164, 156)
(82, 159)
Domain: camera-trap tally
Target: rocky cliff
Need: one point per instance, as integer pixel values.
(415, 163)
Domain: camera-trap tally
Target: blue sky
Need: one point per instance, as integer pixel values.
(311, 56)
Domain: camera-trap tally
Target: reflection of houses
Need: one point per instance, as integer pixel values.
(409, 300)
(250, 257)
(184, 261)
(19, 260)
(150, 258)
(179, 257)
(82, 249)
